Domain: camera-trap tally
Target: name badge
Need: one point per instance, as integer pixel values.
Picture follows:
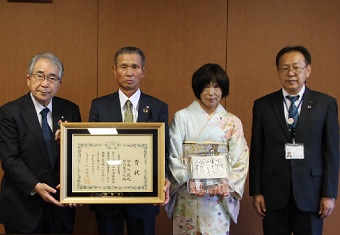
(294, 151)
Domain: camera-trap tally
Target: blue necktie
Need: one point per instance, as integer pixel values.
(293, 111)
(47, 133)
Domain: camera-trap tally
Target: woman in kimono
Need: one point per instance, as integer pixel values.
(207, 211)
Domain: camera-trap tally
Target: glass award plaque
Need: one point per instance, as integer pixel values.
(208, 165)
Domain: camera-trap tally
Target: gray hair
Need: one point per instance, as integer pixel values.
(51, 58)
(130, 50)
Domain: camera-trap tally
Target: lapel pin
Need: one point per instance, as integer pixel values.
(146, 109)
(62, 119)
(310, 104)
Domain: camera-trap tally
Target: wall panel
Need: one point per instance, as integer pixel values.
(66, 28)
(257, 30)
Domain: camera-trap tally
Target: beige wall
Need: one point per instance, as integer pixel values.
(177, 37)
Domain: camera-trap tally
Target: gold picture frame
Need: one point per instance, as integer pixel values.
(112, 163)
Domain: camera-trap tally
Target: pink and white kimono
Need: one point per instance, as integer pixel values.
(205, 215)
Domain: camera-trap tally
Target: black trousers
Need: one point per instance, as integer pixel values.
(291, 219)
(51, 222)
(115, 225)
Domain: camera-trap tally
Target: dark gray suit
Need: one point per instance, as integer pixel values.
(310, 178)
(25, 162)
(107, 109)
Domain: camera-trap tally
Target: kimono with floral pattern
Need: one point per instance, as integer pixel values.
(205, 215)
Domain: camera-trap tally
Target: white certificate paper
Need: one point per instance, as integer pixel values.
(102, 163)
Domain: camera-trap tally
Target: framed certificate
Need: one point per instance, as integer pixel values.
(104, 163)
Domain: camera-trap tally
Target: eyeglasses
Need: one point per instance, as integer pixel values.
(296, 70)
(41, 77)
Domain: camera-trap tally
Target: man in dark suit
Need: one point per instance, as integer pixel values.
(294, 157)
(29, 189)
(129, 69)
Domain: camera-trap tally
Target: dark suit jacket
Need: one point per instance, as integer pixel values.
(310, 178)
(25, 162)
(107, 109)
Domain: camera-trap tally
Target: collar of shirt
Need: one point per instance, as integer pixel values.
(38, 108)
(134, 100)
(285, 93)
(286, 102)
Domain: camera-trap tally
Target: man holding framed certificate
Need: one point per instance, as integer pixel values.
(30, 153)
(129, 104)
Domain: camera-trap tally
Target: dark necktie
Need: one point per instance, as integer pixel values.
(293, 112)
(128, 116)
(47, 133)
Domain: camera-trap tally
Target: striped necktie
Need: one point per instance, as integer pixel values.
(293, 113)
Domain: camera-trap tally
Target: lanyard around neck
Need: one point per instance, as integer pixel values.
(284, 100)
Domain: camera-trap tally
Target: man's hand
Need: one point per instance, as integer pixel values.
(326, 207)
(57, 133)
(259, 205)
(166, 189)
(45, 192)
(71, 204)
(57, 136)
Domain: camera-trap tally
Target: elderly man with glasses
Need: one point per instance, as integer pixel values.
(30, 153)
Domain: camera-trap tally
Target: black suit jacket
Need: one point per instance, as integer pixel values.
(25, 162)
(310, 178)
(107, 109)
